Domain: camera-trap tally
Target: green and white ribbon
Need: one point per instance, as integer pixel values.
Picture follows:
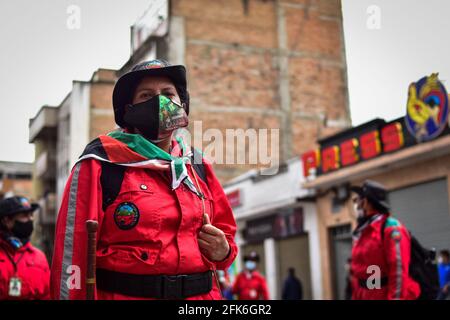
(157, 156)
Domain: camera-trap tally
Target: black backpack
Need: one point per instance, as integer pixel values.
(422, 268)
(112, 176)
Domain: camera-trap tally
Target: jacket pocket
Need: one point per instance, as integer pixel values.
(126, 257)
(33, 283)
(146, 256)
(132, 217)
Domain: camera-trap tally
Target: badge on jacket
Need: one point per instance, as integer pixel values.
(126, 215)
(15, 287)
(396, 235)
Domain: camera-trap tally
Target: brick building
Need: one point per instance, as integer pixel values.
(262, 64)
(15, 179)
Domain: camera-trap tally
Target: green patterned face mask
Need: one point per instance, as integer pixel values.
(156, 118)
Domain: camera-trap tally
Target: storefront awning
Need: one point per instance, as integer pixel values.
(267, 209)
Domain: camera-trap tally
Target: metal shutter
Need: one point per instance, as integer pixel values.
(294, 252)
(424, 210)
(342, 250)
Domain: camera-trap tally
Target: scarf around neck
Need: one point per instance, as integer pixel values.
(133, 150)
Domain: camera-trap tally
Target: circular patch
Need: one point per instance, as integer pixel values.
(126, 215)
(396, 235)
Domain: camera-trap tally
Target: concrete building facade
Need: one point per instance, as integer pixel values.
(278, 219)
(60, 135)
(15, 179)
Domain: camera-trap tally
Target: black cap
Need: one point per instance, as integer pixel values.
(125, 86)
(14, 205)
(252, 256)
(375, 192)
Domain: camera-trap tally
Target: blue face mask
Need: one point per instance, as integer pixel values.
(250, 265)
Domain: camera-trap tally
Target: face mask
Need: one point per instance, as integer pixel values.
(22, 230)
(250, 265)
(156, 118)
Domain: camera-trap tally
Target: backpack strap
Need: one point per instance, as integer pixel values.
(111, 182)
(197, 164)
(112, 177)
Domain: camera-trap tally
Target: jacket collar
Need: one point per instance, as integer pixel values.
(368, 222)
(6, 246)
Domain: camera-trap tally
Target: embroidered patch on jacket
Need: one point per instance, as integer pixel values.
(126, 215)
(396, 235)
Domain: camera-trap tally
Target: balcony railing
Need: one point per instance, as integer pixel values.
(44, 124)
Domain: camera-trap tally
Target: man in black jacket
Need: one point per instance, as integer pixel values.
(292, 289)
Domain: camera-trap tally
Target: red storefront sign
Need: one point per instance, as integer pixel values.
(234, 198)
(354, 150)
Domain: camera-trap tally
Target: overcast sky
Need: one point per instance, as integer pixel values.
(40, 55)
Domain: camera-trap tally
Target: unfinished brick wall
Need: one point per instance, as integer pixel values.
(101, 110)
(266, 64)
(19, 187)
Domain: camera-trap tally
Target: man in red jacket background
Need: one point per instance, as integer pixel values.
(24, 271)
(250, 284)
(381, 249)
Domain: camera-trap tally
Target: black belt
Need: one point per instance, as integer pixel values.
(363, 282)
(154, 286)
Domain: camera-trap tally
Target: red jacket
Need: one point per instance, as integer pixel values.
(32, 270)
(163, 240)
(390, 252)
(250, 286)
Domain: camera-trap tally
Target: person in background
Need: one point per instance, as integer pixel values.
(225, 285)
(250, 284)
(24, 270)
(444, 274)
(292, 288)
(382, 241)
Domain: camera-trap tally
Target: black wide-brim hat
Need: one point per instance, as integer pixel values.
(252, 256)
(373, 191)
(15, 205)
(126, 85)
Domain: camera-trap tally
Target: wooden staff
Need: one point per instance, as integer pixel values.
(91, 227)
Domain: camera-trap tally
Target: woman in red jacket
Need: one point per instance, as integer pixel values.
(24, 271)
(165, 224)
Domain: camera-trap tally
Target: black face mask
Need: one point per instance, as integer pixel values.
(22, 230)
(156, 118)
